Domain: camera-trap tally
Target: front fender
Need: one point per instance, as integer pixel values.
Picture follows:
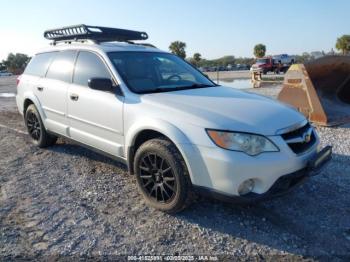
(167, 129)
(181, 141)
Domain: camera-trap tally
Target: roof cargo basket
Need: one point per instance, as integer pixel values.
(96, 33)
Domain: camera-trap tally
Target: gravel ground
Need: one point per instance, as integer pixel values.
(66, 200)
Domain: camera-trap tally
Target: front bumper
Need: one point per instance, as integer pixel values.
(282, 185)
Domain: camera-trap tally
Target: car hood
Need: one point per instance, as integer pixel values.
(224, 108)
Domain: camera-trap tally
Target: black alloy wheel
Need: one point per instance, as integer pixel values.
(36, 128)
(33, 126)
(157, 178)
(162, 176)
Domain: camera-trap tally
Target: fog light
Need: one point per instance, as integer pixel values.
(246, 187)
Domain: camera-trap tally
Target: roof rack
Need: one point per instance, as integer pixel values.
(95, 33)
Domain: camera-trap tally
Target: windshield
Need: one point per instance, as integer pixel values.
(151, 72)
(262, 61)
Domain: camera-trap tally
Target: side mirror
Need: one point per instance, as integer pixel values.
(102, 84)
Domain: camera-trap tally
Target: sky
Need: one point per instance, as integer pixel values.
(212, 28)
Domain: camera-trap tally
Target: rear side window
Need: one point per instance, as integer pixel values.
(39, 63)
(62, 65)
(89, 65)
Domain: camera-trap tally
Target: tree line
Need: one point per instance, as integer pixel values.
(15, 63)
(259, 51)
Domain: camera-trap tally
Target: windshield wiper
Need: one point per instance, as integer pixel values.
(176, 88)
(195, 85)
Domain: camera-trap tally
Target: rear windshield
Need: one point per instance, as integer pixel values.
(39, 63)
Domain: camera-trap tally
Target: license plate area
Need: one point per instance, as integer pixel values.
(320, 159)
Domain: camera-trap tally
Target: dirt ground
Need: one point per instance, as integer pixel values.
(71, 202)
(238, 75)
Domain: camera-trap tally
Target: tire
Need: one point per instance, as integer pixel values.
(162, 176)
(36, 128)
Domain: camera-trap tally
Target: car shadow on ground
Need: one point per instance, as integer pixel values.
(311, 221)
(67, 147)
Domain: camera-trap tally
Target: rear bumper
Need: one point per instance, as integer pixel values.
(282, 185)
(19, 103)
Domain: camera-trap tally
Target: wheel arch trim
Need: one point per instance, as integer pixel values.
(174, 134)
(35, 100)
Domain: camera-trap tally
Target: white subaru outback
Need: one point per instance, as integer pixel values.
(177, 131)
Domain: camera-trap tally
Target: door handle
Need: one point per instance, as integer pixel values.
(40, 88)
(74, 97)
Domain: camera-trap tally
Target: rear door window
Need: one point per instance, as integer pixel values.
(39, 63)
(62, 65)
(89, 65)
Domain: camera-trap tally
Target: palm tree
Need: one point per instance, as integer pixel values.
(178, 48)
(259, 50)
(343, 44)
(197, 57)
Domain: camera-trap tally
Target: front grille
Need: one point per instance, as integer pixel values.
(301, 139)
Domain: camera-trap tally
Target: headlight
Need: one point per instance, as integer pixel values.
(250, 144)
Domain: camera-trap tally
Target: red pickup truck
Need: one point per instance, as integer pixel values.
(275, 64)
